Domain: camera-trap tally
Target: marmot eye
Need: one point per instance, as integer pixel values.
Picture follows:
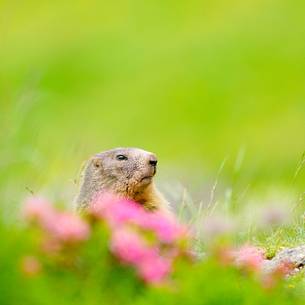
(121, 157)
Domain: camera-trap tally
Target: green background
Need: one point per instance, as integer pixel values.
(197, 82)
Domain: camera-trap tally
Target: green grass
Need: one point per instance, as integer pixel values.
(215, 89)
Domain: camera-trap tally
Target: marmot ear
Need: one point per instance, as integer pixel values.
(97, 162)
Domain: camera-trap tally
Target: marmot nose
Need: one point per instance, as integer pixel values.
(153, 162)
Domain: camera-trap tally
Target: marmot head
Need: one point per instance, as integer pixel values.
(125, 168)
(122, 171)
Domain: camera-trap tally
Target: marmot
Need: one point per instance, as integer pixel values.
(126, 172)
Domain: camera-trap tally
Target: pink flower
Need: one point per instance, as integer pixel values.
(154, 269)
(30, 265)
(269, 280)
(68, 228)
(38, 209)
(249, 256)
(129, 246)
(51, 246)
(274, 216)
(62, 226)
(118, 211)
(283, 269)
(217, 226)
(165, 227)
(115, 210)
(128, 222)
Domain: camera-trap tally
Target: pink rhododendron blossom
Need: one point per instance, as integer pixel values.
(154, 269)
(129, 246)
(249, 256)
(68, 228)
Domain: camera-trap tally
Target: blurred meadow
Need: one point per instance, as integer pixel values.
(215, 89)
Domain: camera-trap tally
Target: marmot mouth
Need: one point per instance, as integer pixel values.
(146, 178)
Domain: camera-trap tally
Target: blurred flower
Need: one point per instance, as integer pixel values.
(38, 209)
(68, 228)
(217, 226)
(115, 210)
(270, 279)
(51, 246)
(30, 265)
(154, 269)
(147, 241)
(129, 223)
(224, 254)
(274, 215)
(276, 210)
(165, 227)
(250, 257)
(62, 226)
(283, 269)
(129, 246)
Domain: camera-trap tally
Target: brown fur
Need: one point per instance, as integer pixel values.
(130, 178)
